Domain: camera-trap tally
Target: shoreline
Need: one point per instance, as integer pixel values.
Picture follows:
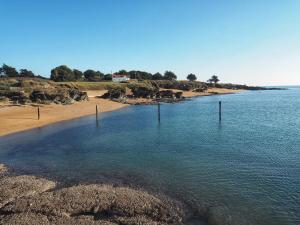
(30, 199)
(15, 119)
(38, 199)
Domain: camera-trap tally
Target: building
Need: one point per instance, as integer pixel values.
(120, 78)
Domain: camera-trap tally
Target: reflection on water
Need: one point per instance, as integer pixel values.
(245, 166)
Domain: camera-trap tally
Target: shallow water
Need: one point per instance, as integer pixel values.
(248, 164)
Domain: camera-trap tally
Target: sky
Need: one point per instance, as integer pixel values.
(255, 42)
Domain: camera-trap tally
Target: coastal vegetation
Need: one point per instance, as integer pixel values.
(63, 73)
(191, 77)
(67, 85)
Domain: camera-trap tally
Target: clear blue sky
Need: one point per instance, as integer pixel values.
(253, 42)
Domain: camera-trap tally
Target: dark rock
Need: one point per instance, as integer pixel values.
(166, 94)
(178, 95)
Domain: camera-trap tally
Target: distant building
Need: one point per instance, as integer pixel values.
(119, 78)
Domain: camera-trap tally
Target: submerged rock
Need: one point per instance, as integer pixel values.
(40, 219)
(12, 188)
(98, 203)
(222, 215)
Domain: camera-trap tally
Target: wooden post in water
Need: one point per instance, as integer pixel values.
(38, 111)
(220, 110)
(158, 112)
(97, 112)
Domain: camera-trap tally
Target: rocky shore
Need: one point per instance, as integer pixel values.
(32, 200)
(38, 91)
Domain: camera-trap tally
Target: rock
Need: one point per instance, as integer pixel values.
(3, 169)
(12, 188)
(178, 95)
(116, 92)
(62, 96)
(144, 90)
(199, 89)
(166, 94)
(18, 97)
(118, 205)
(40, 219)
(78, 95)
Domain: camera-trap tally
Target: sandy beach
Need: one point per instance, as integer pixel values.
(20, 118)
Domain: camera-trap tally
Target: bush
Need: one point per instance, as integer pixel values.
(181, 85)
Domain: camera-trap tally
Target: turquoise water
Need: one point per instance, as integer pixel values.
(248, 164)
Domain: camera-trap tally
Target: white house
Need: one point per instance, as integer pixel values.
(119, 78)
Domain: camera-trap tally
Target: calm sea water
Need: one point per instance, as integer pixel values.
(248, 164)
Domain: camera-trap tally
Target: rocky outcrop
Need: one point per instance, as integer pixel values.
(32, 90)
(144, 90)
(12, 188)
(65, 96)
(30, 200)
(98, 202)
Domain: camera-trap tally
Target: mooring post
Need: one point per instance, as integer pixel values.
(97, 112)
(38, 111)
(158, 112)
(220, 110)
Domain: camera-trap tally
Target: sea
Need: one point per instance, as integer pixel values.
(242, 169)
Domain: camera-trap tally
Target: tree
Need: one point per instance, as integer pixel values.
(92, 75)
(9, 71)
(107, 76)
(62, 73)
(191, 77)
(78, 75)
(26, 73)
(122, 72)
(214, 79)
(157, 76)
(169, 75)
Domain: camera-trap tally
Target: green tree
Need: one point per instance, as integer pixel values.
(9, 71)
(62, 73)
(26, 73)
(214, 79)
(92, 75)
(77, 74)
(157, 76)
(122, 72)
(107, 76)
(191, 77)
(169, 75)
